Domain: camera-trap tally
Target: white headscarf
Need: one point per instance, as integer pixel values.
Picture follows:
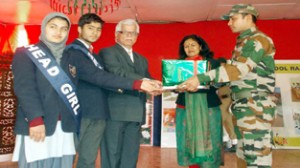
(55, 48)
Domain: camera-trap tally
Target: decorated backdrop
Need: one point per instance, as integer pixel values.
(155, 42)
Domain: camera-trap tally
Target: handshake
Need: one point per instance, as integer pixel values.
(190, 85)
(152, 87)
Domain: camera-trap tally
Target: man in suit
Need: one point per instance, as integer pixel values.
(120, 145)
(88, 73)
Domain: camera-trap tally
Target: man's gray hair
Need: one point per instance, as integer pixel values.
(127, 22)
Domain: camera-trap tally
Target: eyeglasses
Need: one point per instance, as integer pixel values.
(126, 33)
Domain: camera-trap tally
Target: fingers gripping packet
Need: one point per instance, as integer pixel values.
(174, 72)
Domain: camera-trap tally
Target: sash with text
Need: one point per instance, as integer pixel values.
(57, 78)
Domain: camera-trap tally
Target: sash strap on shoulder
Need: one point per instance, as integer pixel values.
(87, 53)
(60, 81)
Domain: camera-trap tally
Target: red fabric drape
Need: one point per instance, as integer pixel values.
(161, 41)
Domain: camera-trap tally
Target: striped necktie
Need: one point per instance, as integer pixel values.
(91, 49)
(90, 55)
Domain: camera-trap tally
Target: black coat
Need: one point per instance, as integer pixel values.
(129, 106)
(36, 97)
(92, 82)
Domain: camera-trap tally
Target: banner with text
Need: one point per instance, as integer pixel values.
(286, 126)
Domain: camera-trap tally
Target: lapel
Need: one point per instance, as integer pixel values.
(77, 42)
(125, 55)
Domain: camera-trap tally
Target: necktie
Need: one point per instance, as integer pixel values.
(91, 49)
(90, 55)
(130, 55)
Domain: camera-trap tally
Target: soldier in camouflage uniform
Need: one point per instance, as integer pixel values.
(251, 74)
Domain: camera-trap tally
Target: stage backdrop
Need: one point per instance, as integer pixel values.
(157, 42)
(160, 41)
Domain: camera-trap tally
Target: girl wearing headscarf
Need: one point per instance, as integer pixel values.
(44, 127)
(198, 116)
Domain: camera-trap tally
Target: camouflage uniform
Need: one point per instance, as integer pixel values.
(251, 73)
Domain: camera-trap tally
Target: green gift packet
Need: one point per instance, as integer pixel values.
(175, 72)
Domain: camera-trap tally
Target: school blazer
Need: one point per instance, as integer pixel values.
(36, 97)
(92, 82)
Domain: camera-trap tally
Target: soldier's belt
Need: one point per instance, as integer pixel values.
(247, 94)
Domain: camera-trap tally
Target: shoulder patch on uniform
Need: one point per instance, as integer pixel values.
(72, 70)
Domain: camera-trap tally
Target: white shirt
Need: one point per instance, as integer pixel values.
(84, 43)
(129, 52)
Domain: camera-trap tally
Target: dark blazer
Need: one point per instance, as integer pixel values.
(36, 97)
(129, 106)
(91, 81)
